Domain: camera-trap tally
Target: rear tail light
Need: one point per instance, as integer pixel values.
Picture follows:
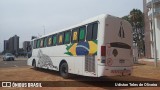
(103, 50)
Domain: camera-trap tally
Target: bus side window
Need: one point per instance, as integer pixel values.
(32, 44)
(82, 33)
(89, 32)
(35, 41)
(54, 39)
(60, 38)
(67, 37)
(45, 41)
(95, 31)
(49, 42)
(75, 33)
(41, 42)
(38, 43)
(92, 30)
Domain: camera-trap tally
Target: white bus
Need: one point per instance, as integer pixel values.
(100, 46)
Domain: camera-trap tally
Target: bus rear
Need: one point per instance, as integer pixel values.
(117, 47)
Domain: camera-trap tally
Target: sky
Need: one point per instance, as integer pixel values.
(27, 18)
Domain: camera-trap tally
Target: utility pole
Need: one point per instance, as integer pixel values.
(154, 33)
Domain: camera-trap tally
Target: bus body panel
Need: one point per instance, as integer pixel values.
(108, 29)
(118, 42)
(75, 63)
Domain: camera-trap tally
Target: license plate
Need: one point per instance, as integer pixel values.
(121, 61)
(120, 71)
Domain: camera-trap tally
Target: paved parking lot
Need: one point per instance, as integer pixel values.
(16, 63)
(19, 62)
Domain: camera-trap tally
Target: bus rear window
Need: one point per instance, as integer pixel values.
(120, 45)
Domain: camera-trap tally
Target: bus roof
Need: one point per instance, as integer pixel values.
(93, 19)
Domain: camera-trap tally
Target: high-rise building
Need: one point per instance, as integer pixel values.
(16, 43)
(26, 44)
(6, 45)
(12, 45)
(149, 38)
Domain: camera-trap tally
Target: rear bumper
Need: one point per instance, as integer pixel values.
(118, 71)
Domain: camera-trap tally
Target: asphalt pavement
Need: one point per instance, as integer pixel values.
(18, 62)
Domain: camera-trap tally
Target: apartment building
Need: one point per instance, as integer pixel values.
(149, 38)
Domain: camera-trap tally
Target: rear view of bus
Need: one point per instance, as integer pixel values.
(116, 48)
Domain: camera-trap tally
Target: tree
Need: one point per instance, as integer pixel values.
(136, 19)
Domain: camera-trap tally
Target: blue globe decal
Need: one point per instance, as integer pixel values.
(82, 48)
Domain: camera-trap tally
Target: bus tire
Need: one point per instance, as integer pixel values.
(34, 64)
(64, 70)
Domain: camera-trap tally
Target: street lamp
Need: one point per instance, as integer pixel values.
(154, 33)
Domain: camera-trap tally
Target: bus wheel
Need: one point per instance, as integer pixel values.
(34, 65)
(64, 70)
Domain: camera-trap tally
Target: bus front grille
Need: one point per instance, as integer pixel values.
(90, 63)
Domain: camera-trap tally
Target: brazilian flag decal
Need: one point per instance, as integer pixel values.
(82, 48)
